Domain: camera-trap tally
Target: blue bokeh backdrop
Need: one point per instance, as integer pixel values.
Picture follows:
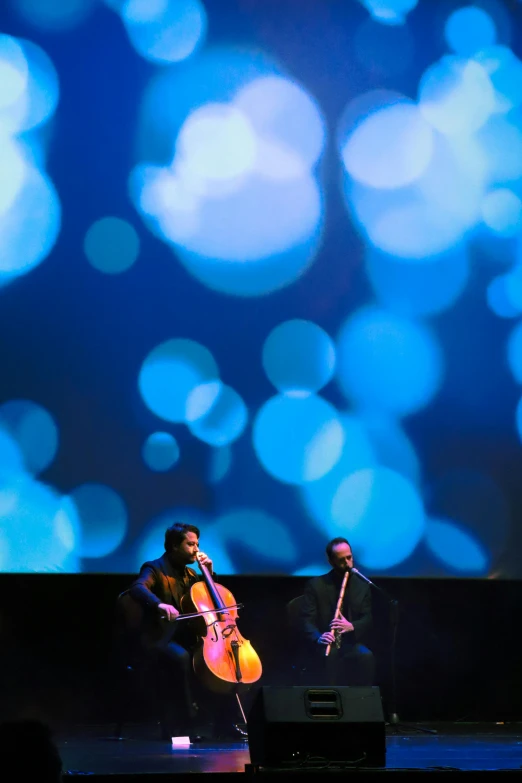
(261, 270)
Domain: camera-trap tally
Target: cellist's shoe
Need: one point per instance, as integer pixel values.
(230, 733)
(195, 731)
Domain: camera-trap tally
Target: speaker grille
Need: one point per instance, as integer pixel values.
(323, 704)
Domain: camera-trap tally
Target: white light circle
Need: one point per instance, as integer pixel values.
(456, 95)
(216, 143)
(390, 148)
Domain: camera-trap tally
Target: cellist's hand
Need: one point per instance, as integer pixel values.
(205, 560)
(168, 611)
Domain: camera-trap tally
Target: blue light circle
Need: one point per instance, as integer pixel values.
(39, 528)
(298, 439)
(284, 114)
(201, 399)
(514, 352)
(169, 375)
(34, 430)
(38, 101)
(220, 464)
(414, 229)
(364, 106)
(224, 422)
(13, 73)
(433, 216)
(502, 212)
(315, 569)
(11, 457)
(472, 500)
(456, 95)
(387, 363)
(266, 275)
(469, 29)
(165, 31)
(54, 15)
(299, 357)
(457, 548)
(453, 186)
(389, 12)
(392, 447)
(413, 289)
(501, 142)
(504, 295)
(14, 166)
(111, 245)
(216, 75)
(358, 452)
(160, 451)
(504, 70)
(11, 479)
(37, 205)
(256, 531)
(381, 515)
(103, 519)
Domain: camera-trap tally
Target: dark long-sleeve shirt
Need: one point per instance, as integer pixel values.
(161, 582)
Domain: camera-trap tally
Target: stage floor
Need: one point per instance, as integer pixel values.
(454, 746)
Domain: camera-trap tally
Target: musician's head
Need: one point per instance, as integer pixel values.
(182, 542)
(339, 554)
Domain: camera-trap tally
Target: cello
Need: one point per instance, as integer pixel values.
(223, 659)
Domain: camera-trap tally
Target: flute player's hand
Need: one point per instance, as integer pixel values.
(341, 625)
(326, 638)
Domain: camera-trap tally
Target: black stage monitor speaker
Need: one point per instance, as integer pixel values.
(299, 726)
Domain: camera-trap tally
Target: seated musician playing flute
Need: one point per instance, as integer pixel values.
(336, 617)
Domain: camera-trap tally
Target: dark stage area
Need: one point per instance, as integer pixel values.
(457, 670)
(457, 654)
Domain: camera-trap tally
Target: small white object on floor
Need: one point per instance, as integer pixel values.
(178, 742)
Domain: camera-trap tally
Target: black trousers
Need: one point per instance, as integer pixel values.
(351, 664)
(181, 690)
(176, 680)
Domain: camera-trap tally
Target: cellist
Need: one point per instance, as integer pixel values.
(159, 588)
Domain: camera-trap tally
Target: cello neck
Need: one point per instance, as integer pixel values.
(218, 603)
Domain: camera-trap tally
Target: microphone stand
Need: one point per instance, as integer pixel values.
(394, 619)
